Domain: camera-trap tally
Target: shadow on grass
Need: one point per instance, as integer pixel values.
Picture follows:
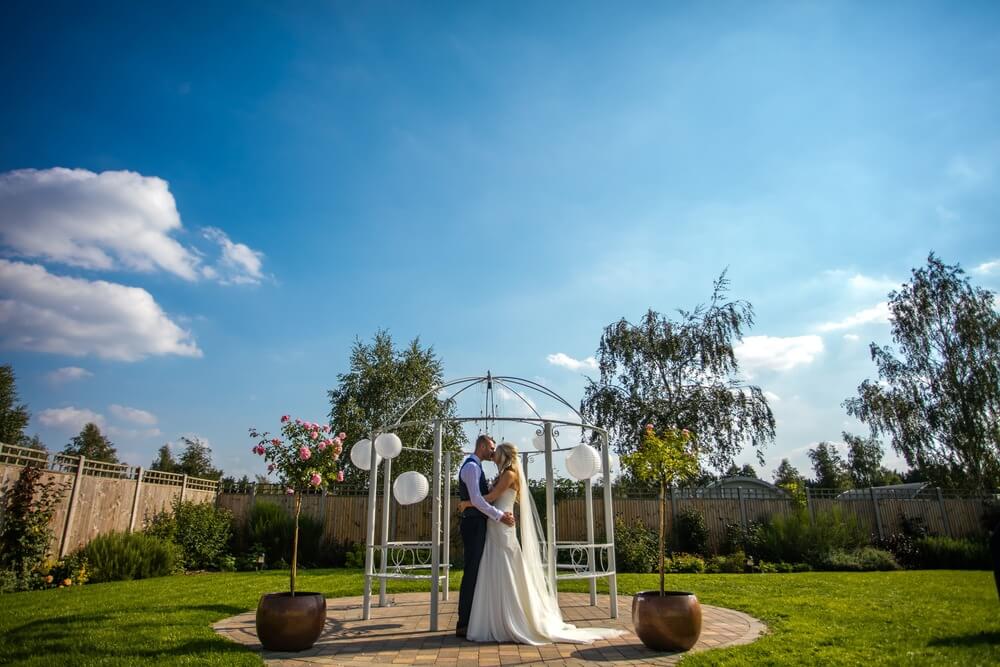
(971, 639)
(173, 632)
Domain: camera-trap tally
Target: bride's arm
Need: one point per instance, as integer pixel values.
(502, 484)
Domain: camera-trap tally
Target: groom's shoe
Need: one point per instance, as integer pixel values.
(460, 632)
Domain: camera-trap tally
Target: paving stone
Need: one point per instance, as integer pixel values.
(400, 634)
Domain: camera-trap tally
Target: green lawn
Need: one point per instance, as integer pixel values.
(931, 617)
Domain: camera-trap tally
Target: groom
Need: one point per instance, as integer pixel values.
(472, 486)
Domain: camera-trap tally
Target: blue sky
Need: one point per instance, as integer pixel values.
(201, 207)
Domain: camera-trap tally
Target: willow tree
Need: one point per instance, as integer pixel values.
(937, 399)
(681, 374)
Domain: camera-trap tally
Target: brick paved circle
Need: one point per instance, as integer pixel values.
(399, 634)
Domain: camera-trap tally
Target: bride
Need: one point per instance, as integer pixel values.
(513, 601)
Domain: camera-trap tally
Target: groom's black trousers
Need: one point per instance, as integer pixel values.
(473, 529)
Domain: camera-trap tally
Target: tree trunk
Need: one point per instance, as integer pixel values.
(295, 540)
(663, 529)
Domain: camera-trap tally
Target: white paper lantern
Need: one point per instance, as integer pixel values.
(388, 445)
(410, 487)
(361, 454)
(539, 442)
(583, 462)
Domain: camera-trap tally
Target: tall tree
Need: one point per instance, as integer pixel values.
(681, 373)
(164, 461)
(14, 416)
(786, 475)
(937, 398)
(829, 467)
(381, 383)
(92, 444)
(864, 462)
(196, 459)
(745, 470)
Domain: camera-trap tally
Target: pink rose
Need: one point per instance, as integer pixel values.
(284, 418)
(289, 491)
(276, 442)
(340, 475)
(326, 428)
(322, 445)
(649, 427)
(338, 441)
(341, 436)
(305, 453)
(315, 479)
(270, 467)
(337, 449)
(298, 421)
(314, 435)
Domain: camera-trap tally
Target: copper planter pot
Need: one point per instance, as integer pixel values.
(668, 622)
(287, 623)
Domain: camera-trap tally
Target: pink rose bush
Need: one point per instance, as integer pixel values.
(305, 457)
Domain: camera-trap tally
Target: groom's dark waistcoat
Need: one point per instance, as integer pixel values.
(463, 490)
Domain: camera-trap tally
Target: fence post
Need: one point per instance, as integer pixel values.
(184, 487)
(878, 516)
(944, 515)
(135, 499)
(743, 508)
(71, 511)
(809, 507)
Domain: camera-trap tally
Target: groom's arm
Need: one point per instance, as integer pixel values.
(470, 475)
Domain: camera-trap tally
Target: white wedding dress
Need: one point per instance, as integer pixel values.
(513, 602)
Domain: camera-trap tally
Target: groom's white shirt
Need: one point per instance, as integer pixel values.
(470, 475)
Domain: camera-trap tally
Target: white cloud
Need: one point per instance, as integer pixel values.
(566, 361)
(777, 353)
(878, 313)
(133, 433)
(67, 374)
(239, 263)
(95, 221)
(43, 312)
(107, 221)
(861, 284)
(772, 397)
(134, 415)
(988, 268)
(852, 337)
(69, 419)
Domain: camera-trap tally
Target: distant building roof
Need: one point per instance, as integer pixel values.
(906, 491)
(758, 486)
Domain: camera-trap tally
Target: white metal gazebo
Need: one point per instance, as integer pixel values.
(585, 560)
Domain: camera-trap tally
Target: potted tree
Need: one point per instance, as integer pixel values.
(306, 458)
(665, 620)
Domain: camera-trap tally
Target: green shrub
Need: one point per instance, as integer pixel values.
(865, 559)
(635, 548)
(25, 534)
(124, 556)
(202, 533)
(268, 527)
(735, 563)
(794, 538)
(691, 532)
(355, 556)
(681, 563)
(945, 553)
(201, 530)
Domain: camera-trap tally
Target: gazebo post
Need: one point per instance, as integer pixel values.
(550, 509)
(609, 524)
(589, 499)
(436, 526)
(386, 494)
(366, 611)
(446, 517)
